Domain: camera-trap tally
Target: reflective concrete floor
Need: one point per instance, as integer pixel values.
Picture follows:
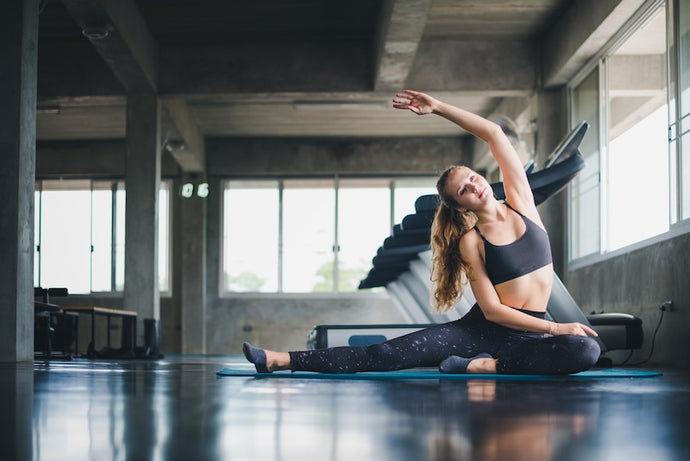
(177, 409)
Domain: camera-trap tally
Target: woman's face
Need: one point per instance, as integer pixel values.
(469, 189)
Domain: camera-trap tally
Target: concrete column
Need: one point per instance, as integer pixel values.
(142, 183)
(19, 39)
(193, 274)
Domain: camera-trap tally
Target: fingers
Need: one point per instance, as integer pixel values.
(589, 330)
(405, 106)
(575, 328)
(583, 330)
(402, 100)
(405, 96)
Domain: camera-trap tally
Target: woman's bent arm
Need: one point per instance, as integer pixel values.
(495, 311)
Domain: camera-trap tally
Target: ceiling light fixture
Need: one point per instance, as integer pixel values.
(175, 145)
(339, 105)
(95, 32)
(48, 110)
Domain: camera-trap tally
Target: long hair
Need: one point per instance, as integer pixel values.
(449, 269)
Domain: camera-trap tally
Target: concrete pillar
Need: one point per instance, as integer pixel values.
(18, 61)
(142, 183)
(193, 273)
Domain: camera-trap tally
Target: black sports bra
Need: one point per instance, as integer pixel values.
(528, 253)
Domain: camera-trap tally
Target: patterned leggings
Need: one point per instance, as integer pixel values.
(518, 352)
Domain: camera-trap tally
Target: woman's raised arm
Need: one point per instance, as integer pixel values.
(518, 191)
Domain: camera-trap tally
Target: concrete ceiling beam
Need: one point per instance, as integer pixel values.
(119, 33)
(579, 34)
(187, 148)
(475, 65)
(399, 34)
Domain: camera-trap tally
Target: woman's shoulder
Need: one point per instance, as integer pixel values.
(471, 240)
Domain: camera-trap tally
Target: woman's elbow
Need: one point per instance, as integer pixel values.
(491, 314)
(494, 132)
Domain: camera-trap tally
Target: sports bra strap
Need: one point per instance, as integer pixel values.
(480, 233)
(508, 205)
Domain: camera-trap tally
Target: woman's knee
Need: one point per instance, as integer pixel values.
(590, 351)
(380, 354)
(583, 351)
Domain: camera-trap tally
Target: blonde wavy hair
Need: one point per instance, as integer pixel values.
(449, 269)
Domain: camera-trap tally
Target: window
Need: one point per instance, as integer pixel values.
(584, 192)
(637, 170)
(363, 222)
(406, 191)
(76, 223)
(64, 242)
(625, 193)
(309, 235)
(680, 126)
(250, 236)
(164, 220)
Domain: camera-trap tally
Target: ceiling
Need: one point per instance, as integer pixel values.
(279, 68)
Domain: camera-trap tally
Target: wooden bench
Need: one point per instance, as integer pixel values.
(129, 330)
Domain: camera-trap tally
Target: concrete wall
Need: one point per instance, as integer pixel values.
(637, 282)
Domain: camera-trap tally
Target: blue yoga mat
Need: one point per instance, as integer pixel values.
(434, 374)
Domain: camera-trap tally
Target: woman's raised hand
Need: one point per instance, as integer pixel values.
(417, 102)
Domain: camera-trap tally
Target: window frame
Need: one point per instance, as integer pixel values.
(390, 181)
(116, 185)
(677, 225)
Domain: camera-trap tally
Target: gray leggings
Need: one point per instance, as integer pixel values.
(518, 352)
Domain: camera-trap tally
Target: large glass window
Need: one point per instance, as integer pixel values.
(363, 223)
(250, 236)
(164, 220)
(309, 235)
(682, 129)
(65, 238)
(101, 236)
(629, 190)
(79, 233)
(406, 191)
(638, 170)
(585, 198)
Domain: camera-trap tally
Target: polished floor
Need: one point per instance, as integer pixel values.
(177, 409)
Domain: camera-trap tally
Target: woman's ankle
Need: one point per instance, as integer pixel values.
(482, 365)
(277, 360)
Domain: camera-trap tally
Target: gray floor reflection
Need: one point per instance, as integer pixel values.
(177, 409)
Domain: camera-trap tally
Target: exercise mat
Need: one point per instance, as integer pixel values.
(420, 373)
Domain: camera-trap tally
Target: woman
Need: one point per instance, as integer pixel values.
(503, 250)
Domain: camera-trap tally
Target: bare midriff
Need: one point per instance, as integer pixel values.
(530, 291)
